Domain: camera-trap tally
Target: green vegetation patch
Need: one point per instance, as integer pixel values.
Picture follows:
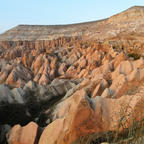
(134, 55)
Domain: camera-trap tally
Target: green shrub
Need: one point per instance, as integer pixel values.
(135, 56)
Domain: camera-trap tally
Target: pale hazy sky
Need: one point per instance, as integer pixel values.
(47, 12)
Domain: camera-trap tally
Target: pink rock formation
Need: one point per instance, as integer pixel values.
(93, 66)
(79, 115)
(23, 135)
(19, 76)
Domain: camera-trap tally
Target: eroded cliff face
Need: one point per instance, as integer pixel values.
(42, 61)
(75, 80)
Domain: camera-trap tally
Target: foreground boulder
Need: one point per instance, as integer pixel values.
(79, 116)
(23, 135)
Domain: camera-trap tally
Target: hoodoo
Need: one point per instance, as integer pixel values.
(79, 83)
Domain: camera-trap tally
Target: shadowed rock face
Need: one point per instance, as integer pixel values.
(72, 79)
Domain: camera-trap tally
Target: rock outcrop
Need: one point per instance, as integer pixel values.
(79, 115)
(73, 80)
(23, 135)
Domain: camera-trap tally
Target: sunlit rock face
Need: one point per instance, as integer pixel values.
(71, 80)
(26, 134)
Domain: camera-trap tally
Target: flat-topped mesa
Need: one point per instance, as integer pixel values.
(131, 20)
(35, 32)
(45, 32)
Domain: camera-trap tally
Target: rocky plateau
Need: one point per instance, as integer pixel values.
(63, 84)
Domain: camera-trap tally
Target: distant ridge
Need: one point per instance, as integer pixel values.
(130, 20)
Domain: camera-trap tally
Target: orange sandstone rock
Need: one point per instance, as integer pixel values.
(79, 116)
(23, 135)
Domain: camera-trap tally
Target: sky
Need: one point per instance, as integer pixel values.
(51, 12)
